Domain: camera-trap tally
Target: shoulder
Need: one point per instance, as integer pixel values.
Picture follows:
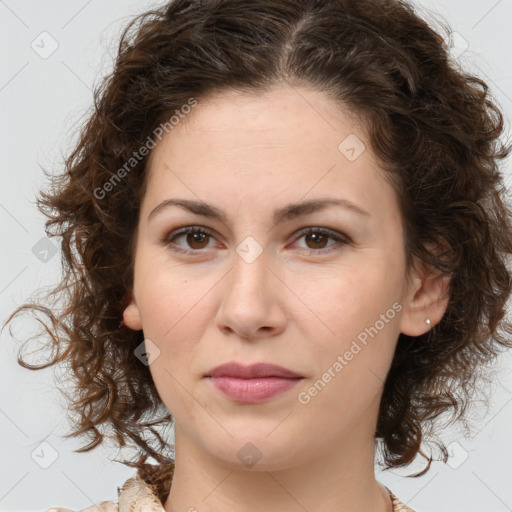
(135, 492)
(104, 506)
(398, 506)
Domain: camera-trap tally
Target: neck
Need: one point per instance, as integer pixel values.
(342, 479)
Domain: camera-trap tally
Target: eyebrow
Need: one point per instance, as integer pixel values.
(288, 212)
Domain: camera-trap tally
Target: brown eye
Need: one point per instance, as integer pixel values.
(196, 238)
(316, 240)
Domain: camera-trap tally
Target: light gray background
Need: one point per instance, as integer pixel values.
(42, 102)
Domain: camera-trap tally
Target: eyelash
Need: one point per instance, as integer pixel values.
(342, 239)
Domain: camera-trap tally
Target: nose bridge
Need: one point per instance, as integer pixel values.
(249, 299)
(250, 272)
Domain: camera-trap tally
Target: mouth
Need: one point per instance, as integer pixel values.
(252, 384)
(253, 371)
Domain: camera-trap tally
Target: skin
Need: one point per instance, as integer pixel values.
(299, 304)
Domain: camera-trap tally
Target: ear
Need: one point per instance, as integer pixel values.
(427, 297)
(131, 315)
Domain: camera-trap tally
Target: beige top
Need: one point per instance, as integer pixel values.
(137, 496)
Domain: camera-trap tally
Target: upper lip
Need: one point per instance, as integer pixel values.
(252, 371)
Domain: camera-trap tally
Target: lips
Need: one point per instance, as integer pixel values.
(254, 371)
(252, 384)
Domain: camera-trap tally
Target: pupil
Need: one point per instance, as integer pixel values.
(316, 237)
(197, 238)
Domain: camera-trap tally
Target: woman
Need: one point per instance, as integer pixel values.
(284, 230)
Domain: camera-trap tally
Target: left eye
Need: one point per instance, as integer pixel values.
(319, 236)
(198, 237)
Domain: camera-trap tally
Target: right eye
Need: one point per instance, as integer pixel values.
(194, 236)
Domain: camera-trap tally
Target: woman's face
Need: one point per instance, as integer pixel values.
(328, 305)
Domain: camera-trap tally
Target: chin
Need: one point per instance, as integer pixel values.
(256, 453)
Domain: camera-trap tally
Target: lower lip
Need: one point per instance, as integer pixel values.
(253, 390)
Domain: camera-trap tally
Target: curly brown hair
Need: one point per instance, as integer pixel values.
(435, 129)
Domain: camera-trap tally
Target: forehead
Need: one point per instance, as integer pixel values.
(311, 113)
(289, 141)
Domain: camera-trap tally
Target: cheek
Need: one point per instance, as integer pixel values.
(344, 302)
(355, 330)
(352, 364)
(175, 321)
(170, 299)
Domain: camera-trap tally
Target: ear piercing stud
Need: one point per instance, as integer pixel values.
(428, 321)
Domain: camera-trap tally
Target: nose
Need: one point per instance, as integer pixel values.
(251, 304)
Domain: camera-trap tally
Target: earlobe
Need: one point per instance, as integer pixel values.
(427, 301)
(131, 316)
